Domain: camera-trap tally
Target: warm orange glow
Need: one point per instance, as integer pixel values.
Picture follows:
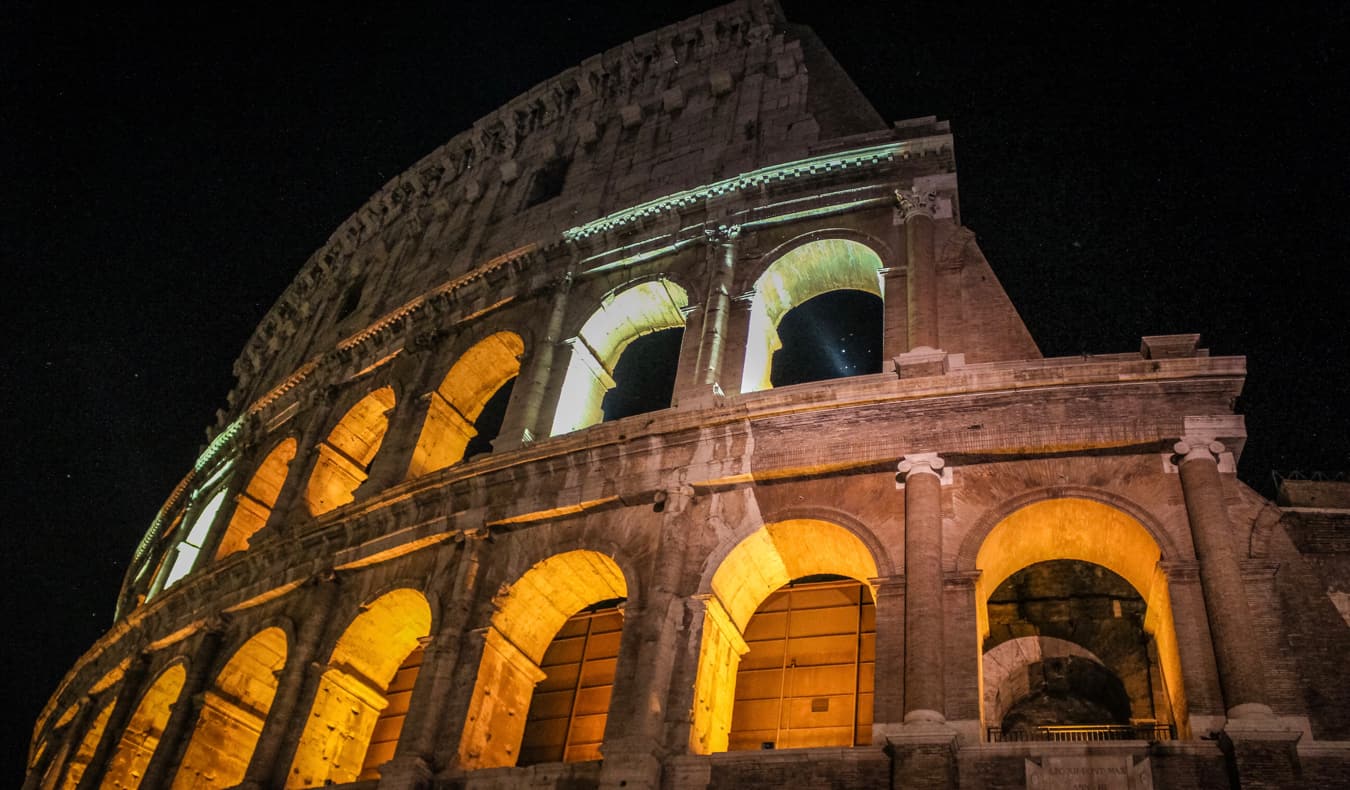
(256, 502)
(456, 404)
(345, 456)
(85, 752)
(807, 679)
(529, 614)
(1089, 531)
(389, 726)
(352, 691)
(570, 706)
(766, 560)
(143, 731)
(233, 711)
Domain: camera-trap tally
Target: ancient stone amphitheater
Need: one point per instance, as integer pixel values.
(554, 468)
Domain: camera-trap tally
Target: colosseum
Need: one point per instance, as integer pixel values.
(667, 429)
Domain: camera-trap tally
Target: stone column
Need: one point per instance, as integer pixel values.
(389, 467)
(917, 208)
(634, 733)
(296, 686)
(185, 711)
(712, 343)
(924, 691)
(895, 324)
(1241, 674)
(425, 723)
(133, 685)
(524, 423)
(888, 700)
(289, 505)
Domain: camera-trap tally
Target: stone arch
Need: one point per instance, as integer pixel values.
(1005, 669)
(807, 267)
(527, 614)
(78, 760)
(233, 712)
(761, 563)
(188, 548)
(254, 504)
(346, 454)
(1087, 530)
(144, 728)
(455, 405)
(623, 315)
(333, 747)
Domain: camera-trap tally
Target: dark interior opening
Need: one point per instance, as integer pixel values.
(644, 377)
(830, 336)
(489, 422)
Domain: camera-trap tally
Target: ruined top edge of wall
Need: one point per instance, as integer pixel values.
(717, 93)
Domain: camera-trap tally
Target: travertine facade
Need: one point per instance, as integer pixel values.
(417, 554)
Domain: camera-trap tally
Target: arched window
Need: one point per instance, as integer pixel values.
(233, 711)
(189, 546)
(345, 456)
(821, 659)
(1067, 648)
(623, 317)
(798, 279)
(533, 614)
(1100, 566)
(143, 731)
(807, 677)
(355, 689)
(465, 412)
(567, 715)
(258, 498)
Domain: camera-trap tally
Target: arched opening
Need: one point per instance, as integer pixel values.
(797, 278)
(143, 731)
(355, 688)
(232, 715)
(769, 559)
(1075, 623)
(530, 615)
(464, 414)
(807, 678)
(79, 761)
(644, 376)
(255, 503)
(190, 545)
(622, 318)
(345, 456)
(831, 336)
(566, 722)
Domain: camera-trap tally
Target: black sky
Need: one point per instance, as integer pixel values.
(165, 171)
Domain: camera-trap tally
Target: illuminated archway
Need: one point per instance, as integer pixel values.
(457, 403)
(143, 731)
(529, 614)
(1071, 528)
(763, 562)
(257, 500)
(623, 316)
(79, 761)
(189, 546)
(805, 272)
(345, 456)
(353, 691)
(232, 715)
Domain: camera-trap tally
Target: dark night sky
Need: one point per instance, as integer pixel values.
(164, 173)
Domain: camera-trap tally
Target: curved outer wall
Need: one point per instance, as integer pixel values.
(333, 535)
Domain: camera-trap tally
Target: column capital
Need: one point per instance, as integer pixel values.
(922, 463)
(721, 234)
(1194, 448)
(916, 202)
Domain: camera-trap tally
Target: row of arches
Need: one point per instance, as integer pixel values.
(786, 654)
(824, 296)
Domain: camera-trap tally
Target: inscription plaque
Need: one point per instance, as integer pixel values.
(1090, 772)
